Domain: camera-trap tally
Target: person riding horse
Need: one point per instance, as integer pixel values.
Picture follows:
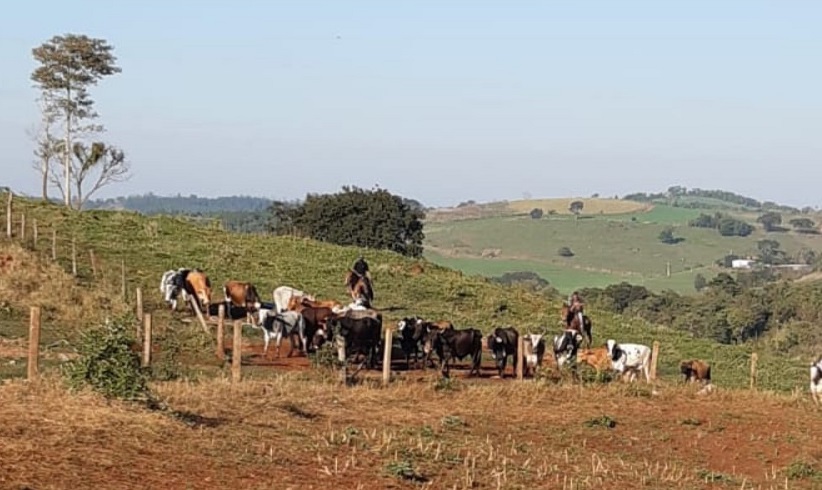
(575, 305)
(360, 272)
(361, 267)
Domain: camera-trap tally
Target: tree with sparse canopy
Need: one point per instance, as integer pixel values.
(363, 218)
(98, 165)
(68, 66)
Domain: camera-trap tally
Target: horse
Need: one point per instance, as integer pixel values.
(359, 287)
(572, 322)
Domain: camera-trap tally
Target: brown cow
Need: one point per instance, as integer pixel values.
(242, 295)
(696, 370)
(597, 358)
(197, 284)
(305, 301)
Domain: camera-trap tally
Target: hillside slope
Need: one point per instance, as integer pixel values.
(149, 246)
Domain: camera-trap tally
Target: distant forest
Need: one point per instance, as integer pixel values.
(711, 198)
(236, 213)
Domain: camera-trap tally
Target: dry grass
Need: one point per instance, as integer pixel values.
(590, 206)
(303, 431)
(27, 279)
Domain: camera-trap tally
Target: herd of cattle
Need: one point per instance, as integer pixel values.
(356, 330)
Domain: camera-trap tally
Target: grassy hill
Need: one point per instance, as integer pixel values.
(301, 429)
(608, 248)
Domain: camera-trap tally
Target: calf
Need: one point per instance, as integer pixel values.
(451, 343)
(533, 352)
(630, 358)
(696, 370)
(357, 336)
(816, 381)
(198, 285)
(566, 346)
(597, 358)
(503, 342)
(410, 331)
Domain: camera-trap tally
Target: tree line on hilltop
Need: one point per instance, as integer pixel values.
(675, 195)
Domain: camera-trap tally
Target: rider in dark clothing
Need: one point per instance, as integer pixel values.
(361, 267)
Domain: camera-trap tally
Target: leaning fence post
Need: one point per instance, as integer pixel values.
(8, 214)
(147, 340)
(34, 342)
(654, 359)
(195, 303)
(754, 358)
(386, 358)
(221, 333)
(520, 357)
(22, 227)
(237, 351)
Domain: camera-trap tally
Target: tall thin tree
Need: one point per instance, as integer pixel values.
(68, 66)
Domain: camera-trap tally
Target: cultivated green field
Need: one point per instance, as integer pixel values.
(607, 248)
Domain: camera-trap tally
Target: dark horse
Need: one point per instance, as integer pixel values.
(572, 321)
(359, 287)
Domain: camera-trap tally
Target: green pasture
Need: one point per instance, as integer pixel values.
(150, 245)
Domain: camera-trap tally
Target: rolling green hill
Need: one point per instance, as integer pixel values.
(607, 248)
(150, 245)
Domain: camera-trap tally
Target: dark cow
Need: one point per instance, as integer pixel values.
(451, 343)
(411, 333)
(502, 342)
(429, 330)
(357, 335)
(696, 370)
(566, 346)
(316, 324)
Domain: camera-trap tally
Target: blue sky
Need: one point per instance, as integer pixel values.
(441, 101)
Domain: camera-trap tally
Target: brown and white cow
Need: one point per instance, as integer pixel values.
(696, 370)
(816, 381)
(241, 295)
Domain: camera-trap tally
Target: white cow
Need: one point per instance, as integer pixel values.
(284, 293)
(816, 381)
(566, 346)
(630, 358)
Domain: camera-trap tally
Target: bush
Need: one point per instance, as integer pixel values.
(107, 364)
(536, 213)
(565, 252)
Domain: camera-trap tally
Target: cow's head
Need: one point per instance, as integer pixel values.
(431, 339)
(320, 337)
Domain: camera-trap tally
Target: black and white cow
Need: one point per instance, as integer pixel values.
(411, 332)
(172, 284)
(630, 358)
(503, 342)
(566, 346)
(534, 351)
(451, 343)
(816, 381)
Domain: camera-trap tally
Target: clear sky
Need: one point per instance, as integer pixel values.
(441, 101)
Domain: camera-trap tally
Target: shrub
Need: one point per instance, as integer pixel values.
(536, 213)
(565, 252)
(107, 363)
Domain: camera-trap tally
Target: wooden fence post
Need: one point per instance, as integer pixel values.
(8, 214)
(73, 256)
(34, 233)
(221, 333)
(54, 245)
(754, 358)
(147, 340)
(195, 303)
(237, 351)
(34, 342)
(654, 359)
(123, 279)
(22, 227)
(93, 261)
(520, 357)
(139, 311)
(386, 358)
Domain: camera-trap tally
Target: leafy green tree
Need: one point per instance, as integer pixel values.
(803, 225)
(728, 226)
(770, 220)
(536, 213)
(576, 207)
(363, 218)
(667, 236)
(700, 282)
(724, 282)
(770, 252)
(68, 66)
